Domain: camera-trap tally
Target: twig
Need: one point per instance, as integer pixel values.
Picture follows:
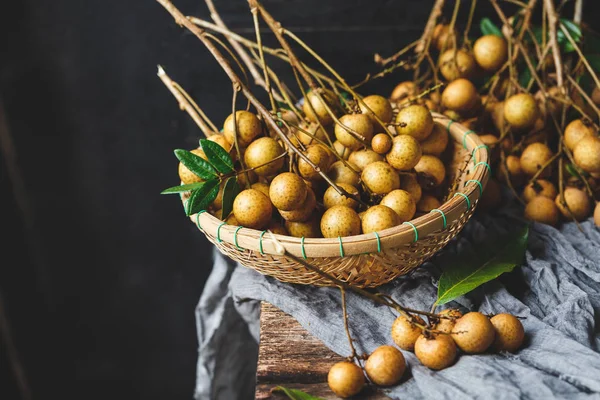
(425, 39)
(552, 24)
(345, 316)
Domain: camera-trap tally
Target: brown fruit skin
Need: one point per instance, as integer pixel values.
(547, 190)
(261, 187)
(340, 173)
(379, 217)
(464, 61)
(405, 332)
(381, 143)
(578, 201)
(509, 332)
(575, 131)
(587, 154)
(402, 203)
(411, 185)
(534, 157)
(287, 191)
(263, 150)
(340, 221)
(252, 209)
(248, 127)
(460, 96)
(277, 228)
(431, 170)
(304, 212)
(414, 120)
(185, 175)
(359, 123)
(473, 333)
(333, 198)
(364, 157)
(403, 91)
(597, 214)
(437, 142)
(513, 165)
(378, 105)
(446, 325)
(319, 156)
(307, 229)
(441, 36)
(345, 379)
(318, 111)
(385, 366)
(405, 153)
(490, 52)
(542, 209)
(437, 353)
(428, 203)
(380, 177)
(521, 111)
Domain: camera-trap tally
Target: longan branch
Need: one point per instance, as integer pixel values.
(425, 40)
(346, 327)
(553, 42)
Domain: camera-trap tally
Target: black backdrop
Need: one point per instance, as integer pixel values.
(99, 273)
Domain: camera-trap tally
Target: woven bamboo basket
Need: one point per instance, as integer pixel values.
(366, 260)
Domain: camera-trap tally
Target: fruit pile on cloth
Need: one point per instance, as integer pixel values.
(557, 289)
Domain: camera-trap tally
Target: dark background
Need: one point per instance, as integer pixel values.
(100, 274)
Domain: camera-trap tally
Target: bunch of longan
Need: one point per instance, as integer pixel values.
(436, 346)
(385, 165)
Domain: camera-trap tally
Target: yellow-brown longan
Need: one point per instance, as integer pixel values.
(457, 64)
(405, 332)
(315, 106)
(521, 111)
(379, 217)
(262, 155)
(358, 123)
(542, 209)
(380, 177)
(345, 379)
(385, 366)
(381, 143)
(534, 157)
(431, 171)
(319, 156)
(287, 191)
(540, 187)
(405, 153)
(185, 175)
(587, 154)
(460, 96)
(364, 157)
(333, 198)
(411, 185)
(252, 209)
(577, 202)
(378, 106)
(414, 120)
(490, 52)
(402, 203)
(340, 221)
(303, 212)
(341, 173)
(577, 130)
(248, 127)
(437, 142)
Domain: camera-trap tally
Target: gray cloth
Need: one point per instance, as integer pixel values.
(557, 289)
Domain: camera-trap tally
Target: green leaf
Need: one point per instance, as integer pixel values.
(230, 191)
(295, 394)
(573, 29)
(489, 28)
(199, 166)
(492, 260)
(217, 156)
(574, 171)
(182, 188)
(562, 39)
(202, 197)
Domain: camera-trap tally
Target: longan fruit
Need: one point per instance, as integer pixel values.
(319, 156)
(405, 153)
(587, 154)
(577, 201)
(345, 379)
(333, 198)
(437, 142)
(473, 332)
(380, 178)
(414, 120)
(261, 187)
(540, 187)
(457, 64)
(185, 175)
(446, 325)
(402, 203)
(248, 127)
(340, 221)
(431, 171)
(410, 184)
(378, 218)
(405, 332)
(521, 111)
(490, 52)
(497, 116)
(575, 131)
(597, 214)
(513, 167)
(364, 157)
(509, 332)
(221, 141)
(428, 203)
(341, 173)
(385, 366)
(318, 111)
(460, 96)
(308, 229)
(252, 209)
(276, 228)
(378, 105)
(341, 150)
(287, 191)
(403, 90)
(534, 157)
(542, 209)
(316, 131)
(441, 36)
(436, 352)
(359, 123)
(381, 143)
(305, 210)
(260, 152)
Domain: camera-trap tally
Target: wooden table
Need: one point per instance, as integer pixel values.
(290, 356)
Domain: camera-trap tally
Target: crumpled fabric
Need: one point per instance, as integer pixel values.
(556, 289)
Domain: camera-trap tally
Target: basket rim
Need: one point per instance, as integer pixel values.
(266, 242)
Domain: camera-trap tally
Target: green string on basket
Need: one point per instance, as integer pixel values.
(442, 213)
(198, 219)
(302, 248)
(466, 198)
(235, 237)
(341, 247)
(260, 246)
(378, 242)
(467, 133)
(479, 183)
(474, 155)
(219, 232)
(485, 164)
(414, 229)
(448, 126)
